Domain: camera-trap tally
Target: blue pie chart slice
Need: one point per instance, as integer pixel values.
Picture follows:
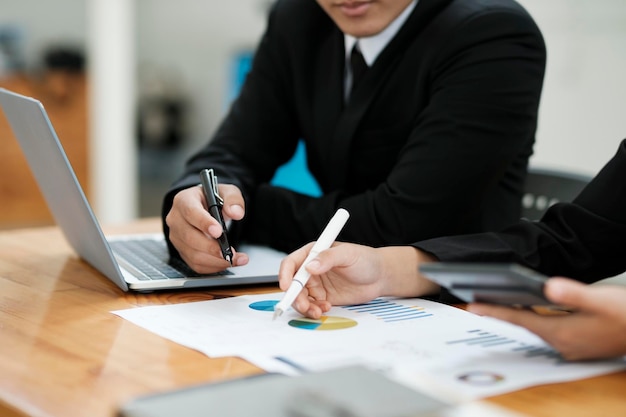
(265, 305)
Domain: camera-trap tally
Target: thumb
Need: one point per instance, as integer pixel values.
(581, 296)
(315, 267)
(338, 255)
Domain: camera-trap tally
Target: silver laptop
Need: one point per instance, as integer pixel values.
(136, 262)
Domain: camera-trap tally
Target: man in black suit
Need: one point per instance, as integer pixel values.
(432, 140)
(584, 240)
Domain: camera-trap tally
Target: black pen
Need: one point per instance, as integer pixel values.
(214, 205)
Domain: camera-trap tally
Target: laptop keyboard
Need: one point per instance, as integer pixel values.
(147, 258)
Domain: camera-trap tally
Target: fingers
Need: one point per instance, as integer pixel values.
(324, 261)
(290, 264)
(337, 256)
(525, 318)
(308, 306)
(234, 204)
(316, 309)
(311, 301)
(189, 210)
(565, 291)
(590, 298)
(568, 333)
(549, 328)
(209, 258)
(192, 230)
(240, 258)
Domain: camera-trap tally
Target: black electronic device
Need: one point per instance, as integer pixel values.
(508, 284)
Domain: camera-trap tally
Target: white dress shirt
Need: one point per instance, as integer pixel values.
(372, 46)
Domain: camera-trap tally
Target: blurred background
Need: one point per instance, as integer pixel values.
(134, 86)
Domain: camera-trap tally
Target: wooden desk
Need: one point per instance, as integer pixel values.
(62, 353)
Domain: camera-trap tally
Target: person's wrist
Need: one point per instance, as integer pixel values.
(427, 287)
(401, 277)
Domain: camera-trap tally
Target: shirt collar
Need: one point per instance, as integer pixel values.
(372, 46)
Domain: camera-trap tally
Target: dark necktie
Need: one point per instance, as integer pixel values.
(358, 66)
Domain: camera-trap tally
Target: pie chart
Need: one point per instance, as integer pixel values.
(323, 323)
(266, 305)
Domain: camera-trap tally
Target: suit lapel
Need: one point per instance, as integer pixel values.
(373, 81)
(328, 93)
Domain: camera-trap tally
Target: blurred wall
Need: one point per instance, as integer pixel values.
(189, 46)
(584, 102)
(43, 23)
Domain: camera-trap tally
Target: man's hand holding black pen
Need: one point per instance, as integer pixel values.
(195, 233)
(214, 206)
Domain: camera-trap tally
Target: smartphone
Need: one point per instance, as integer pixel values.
(508, 284)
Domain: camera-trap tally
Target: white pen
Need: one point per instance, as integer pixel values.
(324, 242)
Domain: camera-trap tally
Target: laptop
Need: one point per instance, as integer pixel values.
(132, 262)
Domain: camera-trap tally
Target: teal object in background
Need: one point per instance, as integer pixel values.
(294, 174)
(240, 66)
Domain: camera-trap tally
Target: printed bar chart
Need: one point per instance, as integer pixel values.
(389, 311)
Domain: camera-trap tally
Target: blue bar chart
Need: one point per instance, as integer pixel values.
(389, 311)
(486, 339)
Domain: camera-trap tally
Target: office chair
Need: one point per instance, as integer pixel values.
(545, 187)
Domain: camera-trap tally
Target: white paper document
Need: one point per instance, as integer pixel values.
(431, 346)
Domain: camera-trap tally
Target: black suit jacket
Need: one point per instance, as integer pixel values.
(435, 140)
(584, 240)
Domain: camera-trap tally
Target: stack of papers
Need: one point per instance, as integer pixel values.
(433, 347)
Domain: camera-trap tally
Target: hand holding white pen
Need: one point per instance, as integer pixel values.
(324, 242)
